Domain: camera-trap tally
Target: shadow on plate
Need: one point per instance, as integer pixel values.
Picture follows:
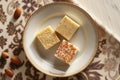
(48, 56)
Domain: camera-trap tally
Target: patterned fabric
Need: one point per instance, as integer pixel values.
(105, 65)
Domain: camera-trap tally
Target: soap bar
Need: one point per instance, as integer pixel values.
(48, 37)
(66, 51)
(67, 27)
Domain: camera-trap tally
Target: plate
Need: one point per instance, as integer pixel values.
(85, 39)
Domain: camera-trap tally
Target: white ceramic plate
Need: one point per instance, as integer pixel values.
(85, 39)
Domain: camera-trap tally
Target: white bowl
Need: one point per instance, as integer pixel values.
(85, 39)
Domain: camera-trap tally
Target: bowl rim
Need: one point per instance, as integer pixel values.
(86, 14)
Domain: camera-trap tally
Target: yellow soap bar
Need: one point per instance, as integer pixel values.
(48, 37)
(67, 27)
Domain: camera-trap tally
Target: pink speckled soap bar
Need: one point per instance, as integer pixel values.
(66, 51)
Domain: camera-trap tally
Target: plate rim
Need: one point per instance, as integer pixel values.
(92, 56)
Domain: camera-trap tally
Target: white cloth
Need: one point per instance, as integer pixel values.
(105, 12)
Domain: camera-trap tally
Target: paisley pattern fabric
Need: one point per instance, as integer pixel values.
(105, 65)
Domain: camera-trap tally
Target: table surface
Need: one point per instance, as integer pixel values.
(105, 65)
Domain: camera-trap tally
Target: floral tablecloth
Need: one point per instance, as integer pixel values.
(105, 65)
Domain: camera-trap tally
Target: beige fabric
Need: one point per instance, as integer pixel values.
(105, 65)
(105, 12)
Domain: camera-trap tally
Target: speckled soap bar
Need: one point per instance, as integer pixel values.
(47, 37)
(67, 27)
(66, 51)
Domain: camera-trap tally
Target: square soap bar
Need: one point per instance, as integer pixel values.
(67, 27)
(47, 37)
(66, 51)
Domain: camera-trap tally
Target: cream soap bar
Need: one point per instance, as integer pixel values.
(67, 27)
(47, 37)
